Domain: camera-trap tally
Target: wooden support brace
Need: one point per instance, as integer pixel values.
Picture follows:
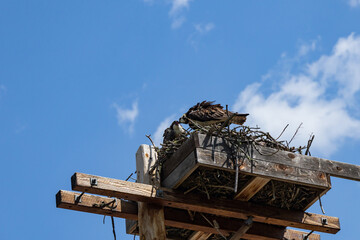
(175, 218)
(199, 236)
(222, 207)
(251, 188)
(150, 216)
(243, 229)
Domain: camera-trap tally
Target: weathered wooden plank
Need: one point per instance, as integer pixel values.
(336, 169)
(290, 235)
(265, 169)
(150, 215)
(131, 226)
(88, 203)
(183, 171)
(199, 236)
(185, 149)
(173, 217)
(227, 208)
(251, 188)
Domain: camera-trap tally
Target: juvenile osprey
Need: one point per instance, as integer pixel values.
(174, 131)
(207, 113)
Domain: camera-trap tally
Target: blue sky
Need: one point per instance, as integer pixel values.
(82, 82)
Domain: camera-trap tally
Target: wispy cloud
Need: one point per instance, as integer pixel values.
(158, 135)
(20, 127)
(178, 5)
(126, 117)
(204, 28)
(199, 31)
(321, 96)
(176, 12)
(307, 47)
(354, 3)
(3, 89)
(178, 22)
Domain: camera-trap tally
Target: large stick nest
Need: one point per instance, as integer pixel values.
(217, 184)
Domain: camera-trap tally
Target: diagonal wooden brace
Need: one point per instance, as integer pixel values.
(243, 229)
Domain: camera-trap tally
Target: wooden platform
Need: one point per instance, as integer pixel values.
(274, 190)
(262, 171)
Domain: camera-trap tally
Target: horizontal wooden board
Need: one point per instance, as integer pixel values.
(334, 168)
(181, 172)
(173, 217)
(264, 169)
(226, 208)
(220, 160)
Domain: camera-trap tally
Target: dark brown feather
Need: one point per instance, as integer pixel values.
(207, 111)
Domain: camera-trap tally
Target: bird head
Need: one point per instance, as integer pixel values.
(183, 119)
(178, 129)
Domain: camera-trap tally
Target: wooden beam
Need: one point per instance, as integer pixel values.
(334, 168)
(222, 207)
(253, 186)
(173, 217)
(288, 234)
(89, 203)
(150, 215)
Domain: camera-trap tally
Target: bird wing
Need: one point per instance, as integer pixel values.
(206, 111)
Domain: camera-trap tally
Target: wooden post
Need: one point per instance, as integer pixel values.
(151, 216)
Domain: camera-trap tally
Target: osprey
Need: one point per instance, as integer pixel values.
(174, 131)
(207, 113)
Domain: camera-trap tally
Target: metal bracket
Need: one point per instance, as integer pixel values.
(324, 221)
(93, 182)
(113, 203)
(78, 198)
(159, 193)
(306, 236)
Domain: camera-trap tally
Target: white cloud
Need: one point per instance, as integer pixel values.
(158, 135)
(126, 117)
(305, 48)
(176, 12)
(3, 89)
(178, 5)
(177, 22)
(354, 3)
(321, 96)
(200, 30)
(204, 28)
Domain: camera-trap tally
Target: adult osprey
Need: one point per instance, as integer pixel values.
(174, 131)
(207, 113)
